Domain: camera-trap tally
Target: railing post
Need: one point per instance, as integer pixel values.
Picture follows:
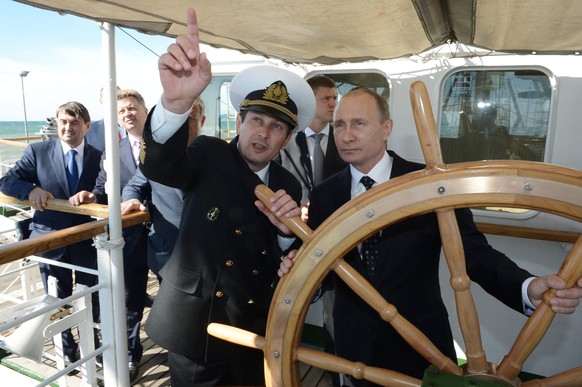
(112, 306)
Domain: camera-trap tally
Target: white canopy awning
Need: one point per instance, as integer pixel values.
(329, 32)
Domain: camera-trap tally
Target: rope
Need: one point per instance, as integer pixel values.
(108, 244)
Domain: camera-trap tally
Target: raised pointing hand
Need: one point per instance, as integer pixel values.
(184, 71)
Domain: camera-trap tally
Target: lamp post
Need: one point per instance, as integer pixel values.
(22, 75)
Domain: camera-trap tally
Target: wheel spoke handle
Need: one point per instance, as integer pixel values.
(536, 326)
(296, 225)
(321, 360)
(389, 313)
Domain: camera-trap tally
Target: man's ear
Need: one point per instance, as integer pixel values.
(238, 123)
(387, 129)
(290, 132)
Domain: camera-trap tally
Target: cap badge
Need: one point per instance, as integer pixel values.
(277, 92)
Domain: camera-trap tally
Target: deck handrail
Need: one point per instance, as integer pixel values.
(16, 141)
(528, 232)
(59, 238)
(110, 272)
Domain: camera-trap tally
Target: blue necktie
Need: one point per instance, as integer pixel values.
(370, 245)
(72, 171)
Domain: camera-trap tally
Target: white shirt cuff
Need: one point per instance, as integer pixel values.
(284, 242)
(164, 123)
(528, 307)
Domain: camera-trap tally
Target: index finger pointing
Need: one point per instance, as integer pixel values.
(192, 25)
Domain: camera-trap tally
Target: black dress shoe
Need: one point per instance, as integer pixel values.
(71, 358)
(133, 370)
(99, 361)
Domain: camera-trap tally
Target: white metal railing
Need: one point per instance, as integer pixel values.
(112, 313)
(81, 316)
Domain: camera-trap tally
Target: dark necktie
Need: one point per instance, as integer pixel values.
(370, 245)
(72, 171)
(317, 158)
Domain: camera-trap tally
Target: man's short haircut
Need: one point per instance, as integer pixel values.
(319, 80)
(381, 102)
(75, 109)
(200, 102)
(130, 93)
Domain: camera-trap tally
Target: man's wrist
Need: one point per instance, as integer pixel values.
(283, 235)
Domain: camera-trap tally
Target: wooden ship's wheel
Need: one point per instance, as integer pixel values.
(440, 188)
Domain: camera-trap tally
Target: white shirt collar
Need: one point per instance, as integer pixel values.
(309, 131)
(79, 148)
(380, 173)
(263, 174)
(133, 139)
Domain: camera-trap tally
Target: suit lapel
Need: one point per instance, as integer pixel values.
(304, 159)
(346, 187)
(125, 154)
(331, 153)
(86, 157)
(57, 158)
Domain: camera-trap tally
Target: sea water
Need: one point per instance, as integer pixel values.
(8, 129)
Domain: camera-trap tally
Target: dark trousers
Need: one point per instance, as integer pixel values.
(246, 369)
(82, 254)
(161, 241)
(136, 276)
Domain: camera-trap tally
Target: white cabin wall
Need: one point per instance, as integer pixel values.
(561, 348)
(567, 142)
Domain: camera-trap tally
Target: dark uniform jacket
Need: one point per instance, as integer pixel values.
(43, 165)
(295, 158)
(226, 255)
(407, 276)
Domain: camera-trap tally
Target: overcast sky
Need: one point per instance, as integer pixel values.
(63, 55)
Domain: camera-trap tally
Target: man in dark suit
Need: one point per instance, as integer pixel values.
(229, 245)
(406, 273)
(42, 174)
(131, 114)
(299, 157)
(164, 203)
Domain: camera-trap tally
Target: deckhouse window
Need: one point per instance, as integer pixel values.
(495, 114)
(372, 80)
(220, 114)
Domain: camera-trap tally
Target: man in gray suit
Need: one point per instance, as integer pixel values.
(164, 203)
(131, 113)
